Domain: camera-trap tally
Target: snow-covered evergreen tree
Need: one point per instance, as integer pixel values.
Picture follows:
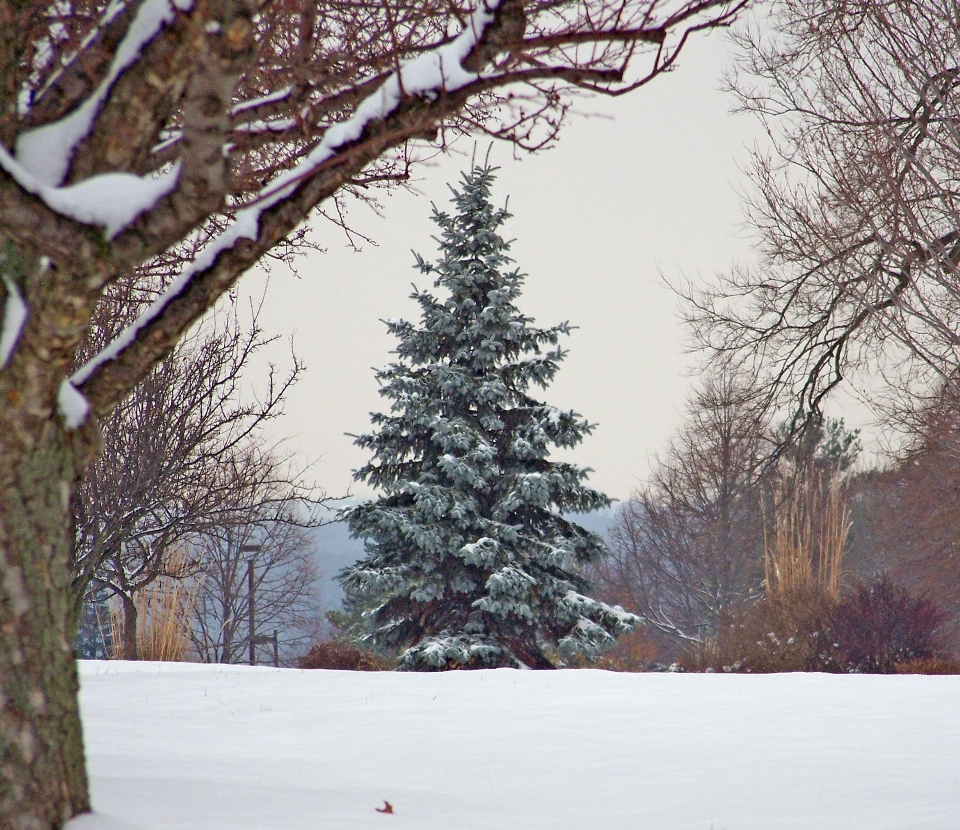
(470, 560)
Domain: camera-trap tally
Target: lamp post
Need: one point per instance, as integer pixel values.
(251, 596)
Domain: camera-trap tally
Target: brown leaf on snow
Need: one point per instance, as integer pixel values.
(387, 807)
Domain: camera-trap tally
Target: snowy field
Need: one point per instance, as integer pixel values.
(191, 747)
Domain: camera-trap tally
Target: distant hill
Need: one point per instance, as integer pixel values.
(598, 521)
(334, 550)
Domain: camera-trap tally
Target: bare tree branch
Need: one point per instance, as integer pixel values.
(857, 207)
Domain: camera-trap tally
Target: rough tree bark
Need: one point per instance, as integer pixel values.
(130, 650)
(44, 782)
(205, 134)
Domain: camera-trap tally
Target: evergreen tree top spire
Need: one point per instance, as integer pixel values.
(470, 560)
(478, 324)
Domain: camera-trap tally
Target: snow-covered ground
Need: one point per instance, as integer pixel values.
(197, 747)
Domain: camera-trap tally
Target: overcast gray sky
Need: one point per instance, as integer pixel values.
(651, 186)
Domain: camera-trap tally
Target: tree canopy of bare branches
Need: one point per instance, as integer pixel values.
(857, 206)
(264, 560)
(906, 517)
(687, 547)
(182, 454)
(197, 138)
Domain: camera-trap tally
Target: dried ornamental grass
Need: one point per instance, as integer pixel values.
(165, 609)
(804, 549)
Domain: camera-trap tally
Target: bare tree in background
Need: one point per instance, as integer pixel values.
(687, 547)
(286, 598)
(907, 517)
(179, 455)
(857, 210)
(159, 134)
(857, 204)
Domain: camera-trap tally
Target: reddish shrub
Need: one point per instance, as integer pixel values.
(340, 656)
(880, 624)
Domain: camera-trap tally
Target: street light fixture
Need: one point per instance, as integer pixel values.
(250, 601)
(253, 639)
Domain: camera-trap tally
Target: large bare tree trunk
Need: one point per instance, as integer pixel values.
(42, 778)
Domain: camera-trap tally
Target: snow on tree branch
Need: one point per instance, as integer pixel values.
(42, 159)
(435, 72)
(284, 151)
(72, 405)
(45, 53)
(46, 151)
(112, 201)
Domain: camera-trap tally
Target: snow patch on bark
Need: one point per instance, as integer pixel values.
(14, 316)
(111, 200)
(46, 151)
(270, 98)
(72, 404)
(272, 125)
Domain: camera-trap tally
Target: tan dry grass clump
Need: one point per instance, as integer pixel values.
(165, 609)
(804, 548)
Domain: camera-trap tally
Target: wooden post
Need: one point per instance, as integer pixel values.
(276, 650)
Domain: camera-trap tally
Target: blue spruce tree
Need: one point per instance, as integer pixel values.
(470, 559)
